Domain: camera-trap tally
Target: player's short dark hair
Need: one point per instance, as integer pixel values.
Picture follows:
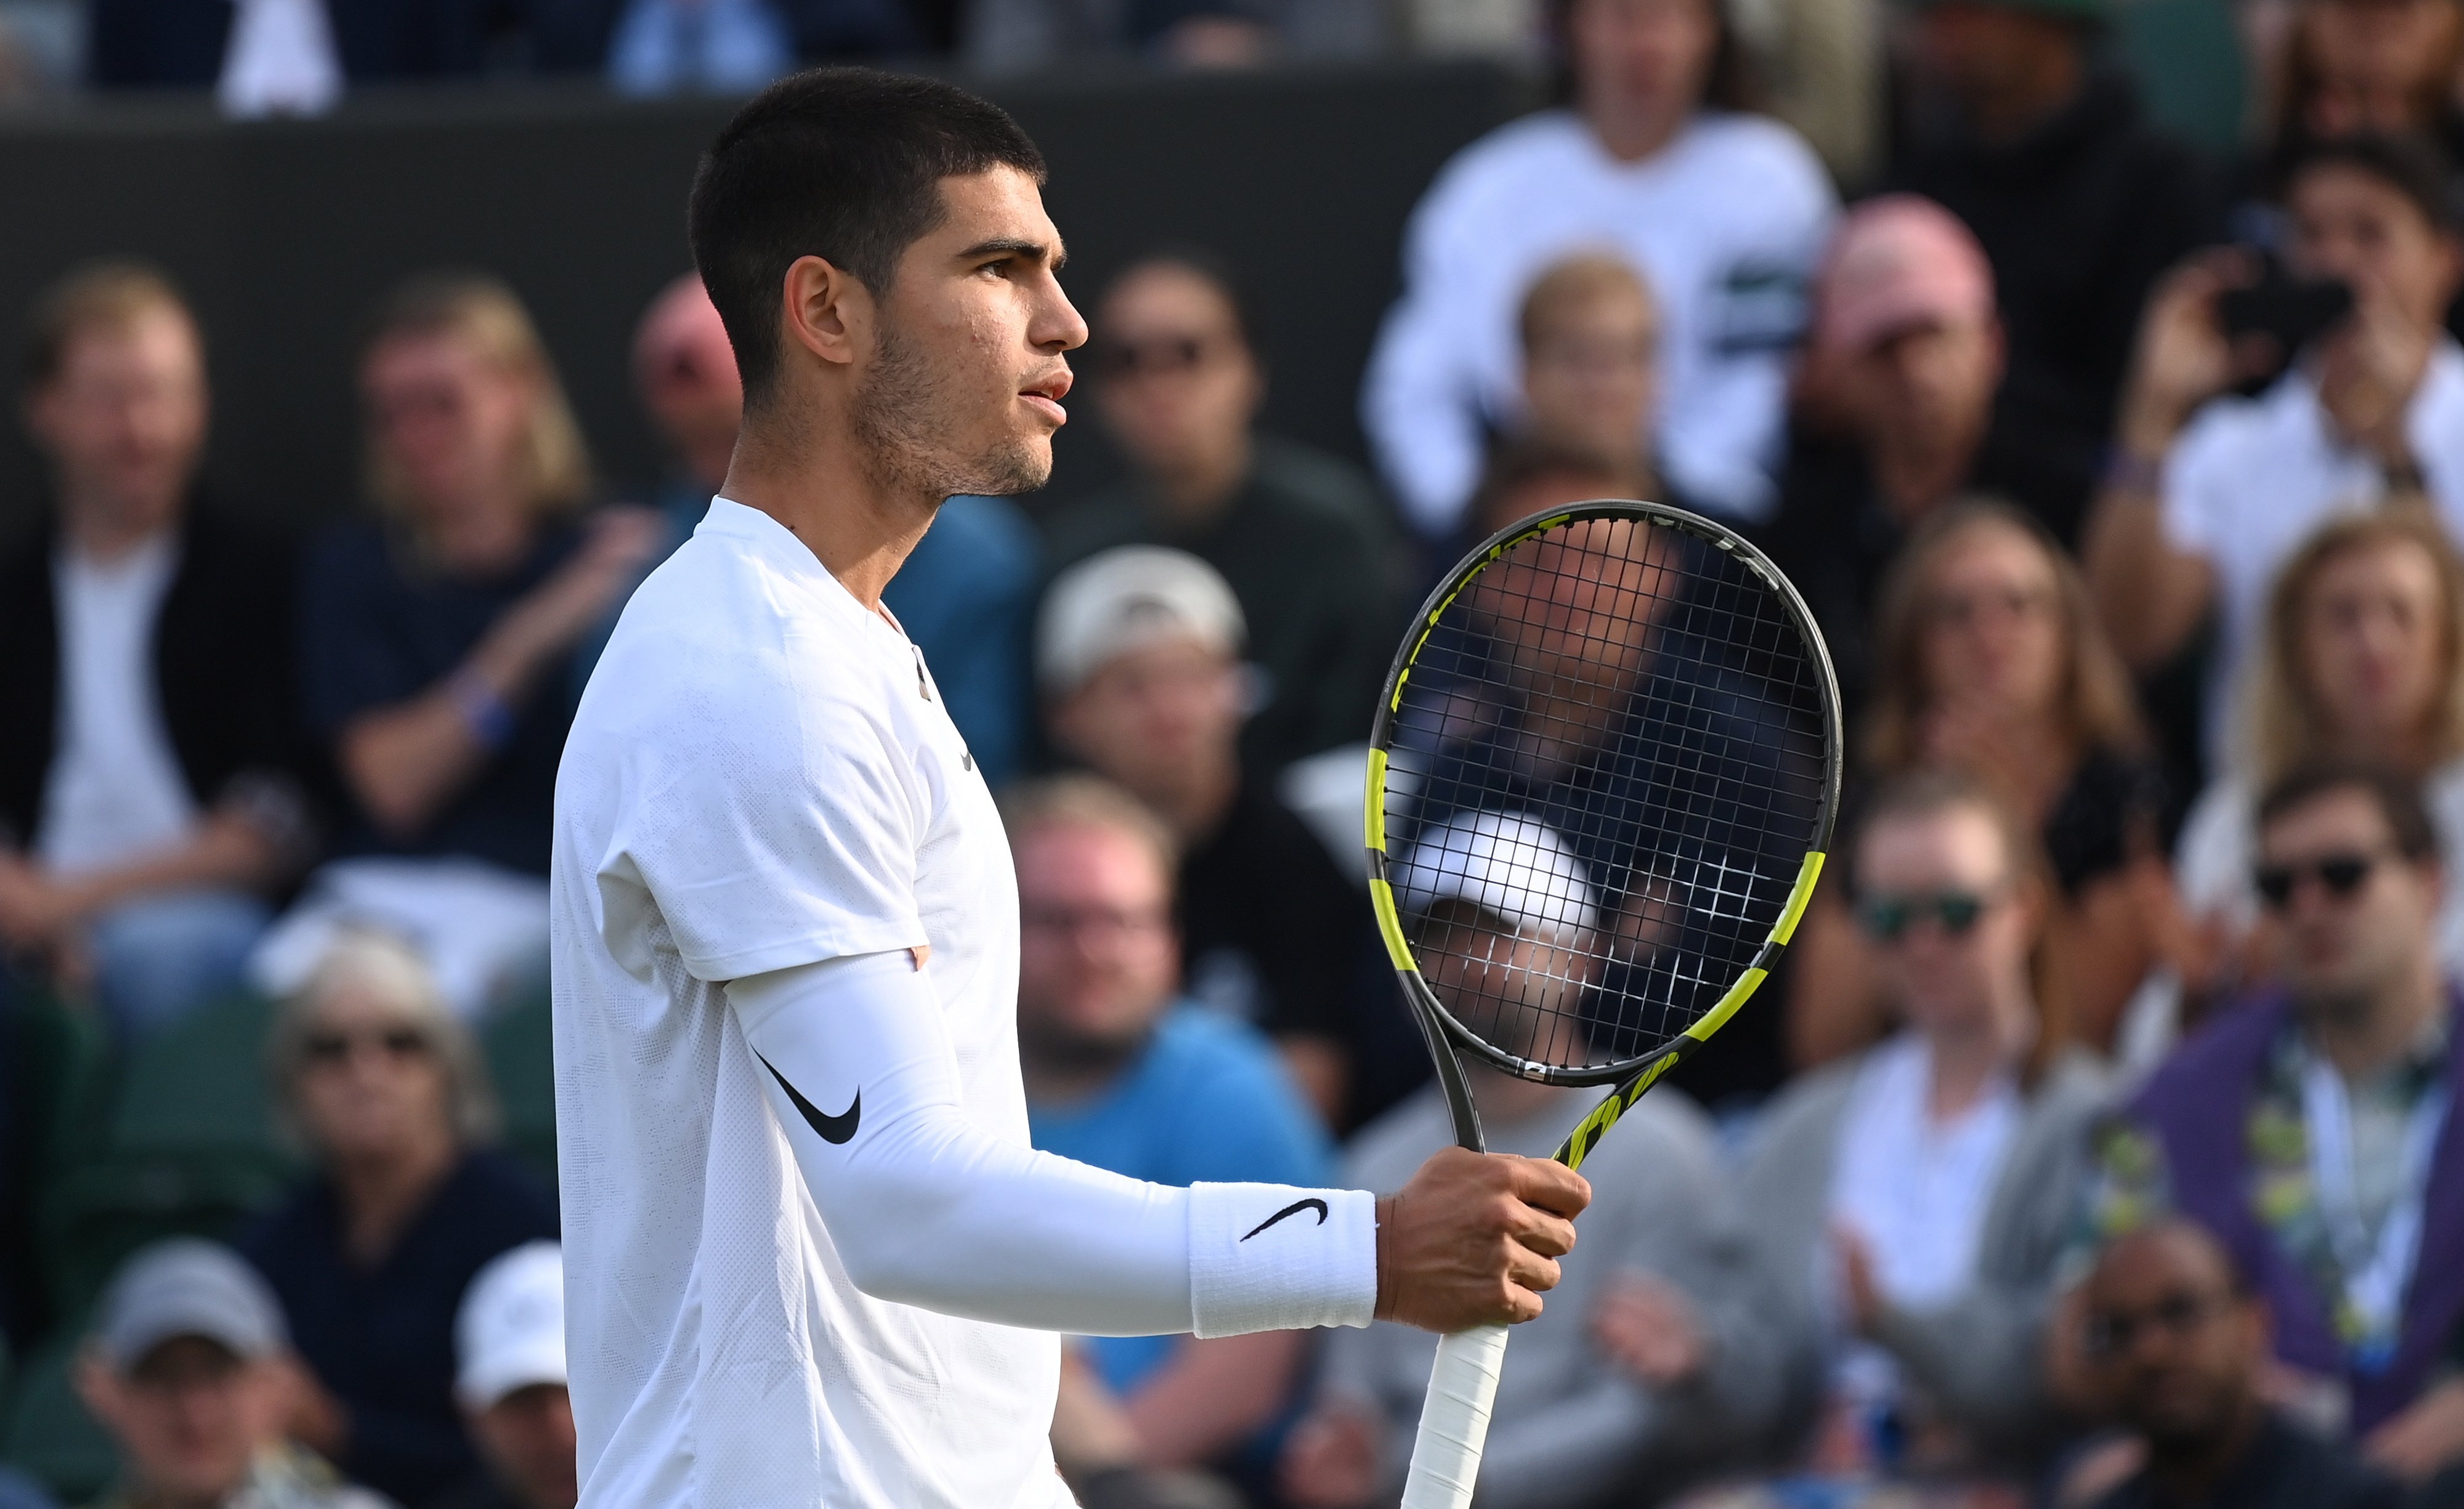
(843, 163)
(2397, 796)
(2408, 163)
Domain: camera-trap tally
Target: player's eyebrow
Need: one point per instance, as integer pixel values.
(1053, 256)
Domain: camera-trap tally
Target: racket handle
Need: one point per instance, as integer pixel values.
(1454, 1419)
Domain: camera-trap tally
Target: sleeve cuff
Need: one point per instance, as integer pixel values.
(1272, 1257)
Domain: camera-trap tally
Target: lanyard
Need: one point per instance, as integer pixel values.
(2375, 1273)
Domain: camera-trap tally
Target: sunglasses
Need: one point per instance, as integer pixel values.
(2340, 875)
(341, 1047)
(1165, 353)
(2177, 1315)
(1888, 918)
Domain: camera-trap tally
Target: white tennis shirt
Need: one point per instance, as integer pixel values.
(761, 776)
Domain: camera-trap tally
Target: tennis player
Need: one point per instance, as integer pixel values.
(810, 1256)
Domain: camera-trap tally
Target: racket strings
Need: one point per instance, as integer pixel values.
(1610, 759)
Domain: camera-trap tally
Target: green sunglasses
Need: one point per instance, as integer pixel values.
(1888, 918)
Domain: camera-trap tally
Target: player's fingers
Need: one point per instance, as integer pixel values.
(1549, 1185)
(1549, 1236)
(1530, 1270)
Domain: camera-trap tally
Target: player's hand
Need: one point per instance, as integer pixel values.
(1474, 1239)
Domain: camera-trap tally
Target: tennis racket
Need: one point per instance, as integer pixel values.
(1601, 781)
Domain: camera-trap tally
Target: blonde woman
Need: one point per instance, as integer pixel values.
(1988, 661)
(384, 1089)
(440, 636)
(2363, 658)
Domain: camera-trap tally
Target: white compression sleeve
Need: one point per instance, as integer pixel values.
(927, 1208)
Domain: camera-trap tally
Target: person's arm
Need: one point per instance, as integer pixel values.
(1420, 399)
(226, 850)
(405, 761)
(1212, 1394)
(2149, 592)
(926, 1208)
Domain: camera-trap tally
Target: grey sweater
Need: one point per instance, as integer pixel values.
(1980, 1358)
(1570, 1427)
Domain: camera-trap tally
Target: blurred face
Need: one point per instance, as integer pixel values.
(2355, 915)
(2350, 225)
(690, 388)
(1097, 957)
(1993, 622)
(1591, 382)
(124, 421)
(2375, 60)
(2177, 1351)
(1925, 388)
(527, 1437)
(190, 1418)
(1939, 902)
(449, 421)
(1982, 53)
(2372, 655)
(1179, 383)
(1156, 717)
(1648, 58)
(961, 390)
(1577, 607)
(369, 1082)
(1519, 989)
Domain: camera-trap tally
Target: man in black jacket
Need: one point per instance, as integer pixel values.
(148, 730)
(2078, 200)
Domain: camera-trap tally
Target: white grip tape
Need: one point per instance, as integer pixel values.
(1454, 1419)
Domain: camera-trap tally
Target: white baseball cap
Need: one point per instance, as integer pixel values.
(182, 1287)
(1508, 863)
(1126, 599)
(510, 1333)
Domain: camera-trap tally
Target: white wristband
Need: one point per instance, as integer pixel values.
(1271, 1258)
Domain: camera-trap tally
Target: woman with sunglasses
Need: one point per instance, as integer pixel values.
(1913, 1200)
(383, 1088)
(2362, 660)
(1987, 660)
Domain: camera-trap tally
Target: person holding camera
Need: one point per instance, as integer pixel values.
(2208, 493)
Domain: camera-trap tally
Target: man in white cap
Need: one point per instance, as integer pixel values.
(1575, 1414)
(509, 1343)
(189, 1368)
(1139, 655)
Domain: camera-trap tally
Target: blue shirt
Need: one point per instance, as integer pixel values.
(1208, 1102)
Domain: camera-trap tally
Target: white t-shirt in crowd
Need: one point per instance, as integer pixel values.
(2253, 479)
(761, 774)
(2212, 860)
(1725, 223)
(114, 791)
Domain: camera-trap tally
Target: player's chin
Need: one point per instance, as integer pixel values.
(1022, 466)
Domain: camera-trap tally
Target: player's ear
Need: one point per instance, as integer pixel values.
(825, 311)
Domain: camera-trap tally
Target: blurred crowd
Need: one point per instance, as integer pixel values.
(2095, 1146)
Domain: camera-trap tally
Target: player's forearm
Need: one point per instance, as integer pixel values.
(926, 1208)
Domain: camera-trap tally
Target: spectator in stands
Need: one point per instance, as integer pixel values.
(196, 44)
(1013, 35)
(1298, 535)
(1725, 213)
(736, 46)
(1691, 1370)
(2210, 494)
(440, 638)
(1914, 1200)
(371, 1257)
(148, 793)
(1906, 358)
(2079, 203)
(1124, 1073)
(1590, 332)
(2309, 1131)
(2352, 67)
(2361, 659)
(968, 588)
(2178, 1346)
(191, 1372)
(1990, 662)
(1138, 657)
(510, 1380)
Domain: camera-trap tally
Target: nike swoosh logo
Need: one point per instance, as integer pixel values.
(1313, 1203)
(832, 1129)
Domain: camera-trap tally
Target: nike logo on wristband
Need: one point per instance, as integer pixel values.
(837, 1130)
(1313, 1203)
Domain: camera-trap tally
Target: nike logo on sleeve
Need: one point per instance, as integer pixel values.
(1313, 1203)
(837, 1130)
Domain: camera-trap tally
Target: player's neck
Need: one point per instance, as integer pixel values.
(859, 526)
